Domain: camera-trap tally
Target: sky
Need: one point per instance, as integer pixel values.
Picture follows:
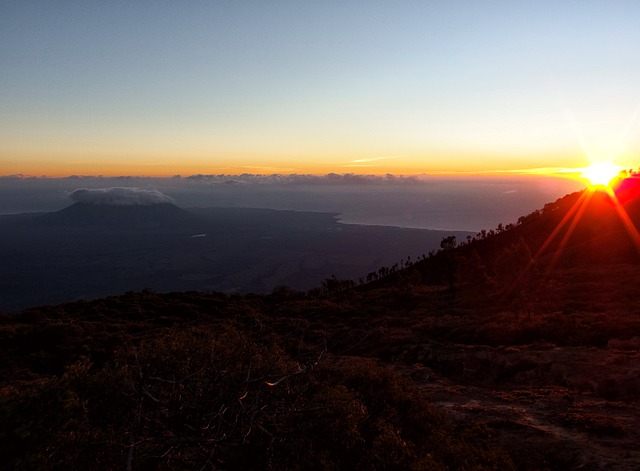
(160, 88)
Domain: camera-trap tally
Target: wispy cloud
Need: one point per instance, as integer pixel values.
(119, 196)
(370, 162)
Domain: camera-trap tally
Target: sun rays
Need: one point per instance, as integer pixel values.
(601, 174)
(611, 196)
(605, 187)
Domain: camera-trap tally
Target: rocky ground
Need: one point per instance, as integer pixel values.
(546, 425)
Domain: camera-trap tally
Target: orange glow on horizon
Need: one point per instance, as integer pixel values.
(60, 161)
(168, 167)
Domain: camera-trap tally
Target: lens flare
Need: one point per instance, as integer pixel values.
(601, 174)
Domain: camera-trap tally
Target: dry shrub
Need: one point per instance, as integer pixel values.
(595, 424)
(216, 398)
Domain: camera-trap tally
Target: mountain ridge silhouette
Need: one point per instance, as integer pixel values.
(122, 216)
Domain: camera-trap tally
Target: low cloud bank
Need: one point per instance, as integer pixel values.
(119, 196)
(300, 179)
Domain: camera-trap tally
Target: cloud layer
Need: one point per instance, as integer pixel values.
(300, 179)
(119, 196)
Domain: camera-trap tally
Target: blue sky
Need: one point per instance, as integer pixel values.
(161, 88)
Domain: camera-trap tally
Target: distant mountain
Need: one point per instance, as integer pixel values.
(118, 216)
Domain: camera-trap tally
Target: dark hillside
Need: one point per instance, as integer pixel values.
(578, 230)
(517, 349)
(130, 216)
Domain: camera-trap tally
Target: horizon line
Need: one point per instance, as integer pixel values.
(558, 172)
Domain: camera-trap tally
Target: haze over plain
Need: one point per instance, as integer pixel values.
(444, 203)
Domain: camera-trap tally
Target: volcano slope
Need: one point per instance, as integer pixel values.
(518, 349)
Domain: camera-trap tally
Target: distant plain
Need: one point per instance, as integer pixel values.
(97, 251)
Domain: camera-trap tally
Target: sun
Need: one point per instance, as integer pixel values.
(601, 174)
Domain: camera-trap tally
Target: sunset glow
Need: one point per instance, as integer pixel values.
(303, 87)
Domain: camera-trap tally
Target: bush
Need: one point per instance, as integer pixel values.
(211, 398)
